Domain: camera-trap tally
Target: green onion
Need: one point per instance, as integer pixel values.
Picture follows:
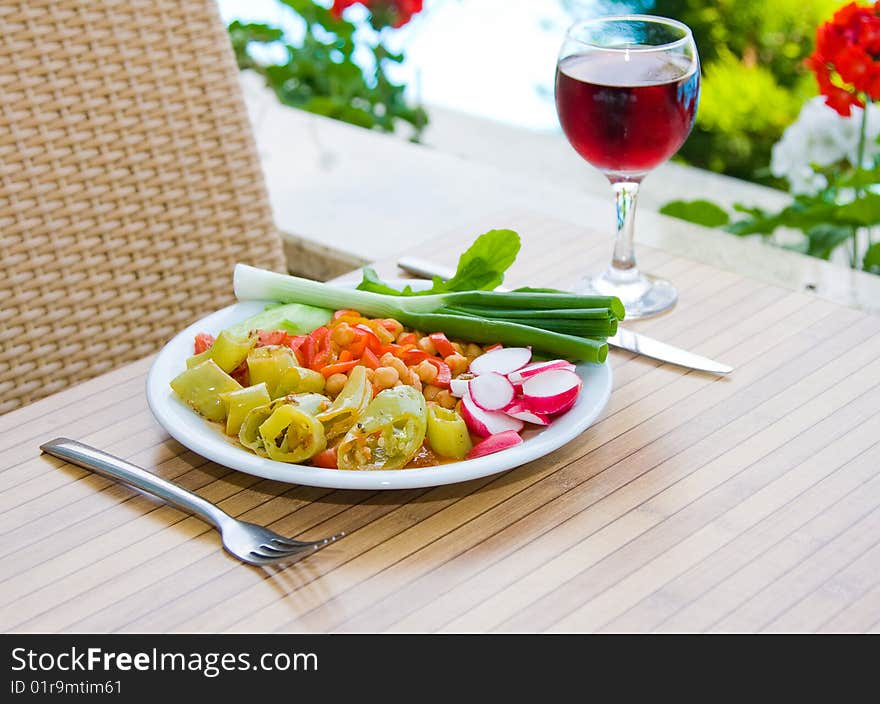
(431, 313)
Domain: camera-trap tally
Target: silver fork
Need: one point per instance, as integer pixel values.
(247, 541)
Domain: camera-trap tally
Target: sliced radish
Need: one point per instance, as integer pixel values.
(567, 407)
(491, 391)
(520, 410)
(520, 375)
(501, 360)
(495, 443)
(459, 387)
(551, 391)
(486, 423)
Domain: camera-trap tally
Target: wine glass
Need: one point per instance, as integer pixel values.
(626, 93)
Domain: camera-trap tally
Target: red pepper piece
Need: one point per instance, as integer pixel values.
(442, 344)
(339, 367)
(370, 360)
(444, 373)
(373, 342)
(411, 357)
(326, 459)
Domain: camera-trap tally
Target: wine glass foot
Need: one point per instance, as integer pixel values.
(642, 295)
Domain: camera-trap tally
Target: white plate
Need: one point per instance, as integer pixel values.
(190, 430)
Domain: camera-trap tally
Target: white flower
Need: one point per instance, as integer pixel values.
(821, 137)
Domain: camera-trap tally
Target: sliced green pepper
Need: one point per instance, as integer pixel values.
(388, 434)
(249, 432)
(229, 350)
(447, 433)
(291, 435)
(239, 403)
(201, 387)
(298, 380)
(348, 405)
(267, 364)
(313, 404)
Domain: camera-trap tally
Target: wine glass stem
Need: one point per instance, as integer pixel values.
(623, 263)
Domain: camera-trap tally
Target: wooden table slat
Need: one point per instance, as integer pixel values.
(695, 503)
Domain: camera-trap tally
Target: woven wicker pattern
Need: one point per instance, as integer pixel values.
(129, 184)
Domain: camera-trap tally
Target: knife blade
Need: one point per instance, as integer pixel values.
(624, 339)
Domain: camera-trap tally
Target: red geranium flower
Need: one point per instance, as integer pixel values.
(394, 13)
(846, 57)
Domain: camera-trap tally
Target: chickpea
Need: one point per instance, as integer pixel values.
(427, 372)
(401, 368)
(386, 359)
(413, 380)
(457, 364)
(334, 384)
(446, 399)
(342, 335)
(386, 377)
(458, 348)
(426, 344)
(394, 327)
(472, 351)
(430, 392)
(371, 375)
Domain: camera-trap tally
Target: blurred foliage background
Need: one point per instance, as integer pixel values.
(754, 79)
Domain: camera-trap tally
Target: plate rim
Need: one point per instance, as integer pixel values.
(218, 450)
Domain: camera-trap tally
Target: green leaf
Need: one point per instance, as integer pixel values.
(863, 212)
(702, 212)
(858, 177)
(871, 261)
(483, 265)
(480, 268)
(372, 282)
(822, 240)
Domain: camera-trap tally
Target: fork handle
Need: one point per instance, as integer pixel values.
(116, 468)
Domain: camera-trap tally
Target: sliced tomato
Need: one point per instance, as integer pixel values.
(321, 359)
(442, 344)
(329, 370)
(316, 348)
(273, 337)
(202, 342)
(296, 341)
(307, 351)
(326, 459)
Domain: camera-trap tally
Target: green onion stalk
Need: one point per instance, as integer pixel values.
(561, 324)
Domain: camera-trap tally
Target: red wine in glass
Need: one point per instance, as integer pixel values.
(626, 115)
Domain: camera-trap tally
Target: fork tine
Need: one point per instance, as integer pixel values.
(273, 551)
(290, 543)
(268, 556)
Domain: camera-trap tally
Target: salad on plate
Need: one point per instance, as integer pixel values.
(376, 378)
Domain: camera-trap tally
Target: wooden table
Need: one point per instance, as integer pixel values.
(695, 503)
